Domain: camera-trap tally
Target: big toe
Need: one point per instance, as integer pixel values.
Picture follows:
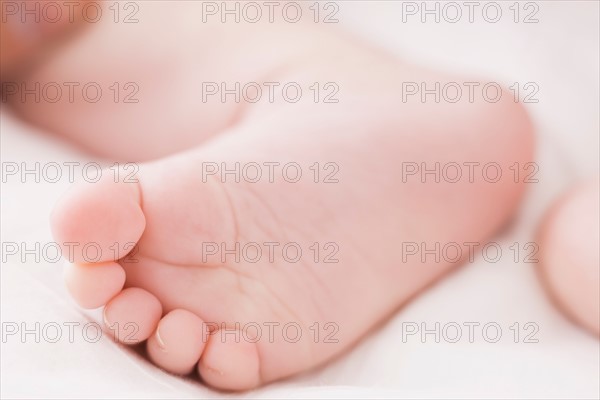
(101, 221)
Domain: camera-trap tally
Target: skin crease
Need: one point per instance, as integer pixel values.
(368, 213)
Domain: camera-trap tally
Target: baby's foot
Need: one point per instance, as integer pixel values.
(277, 313)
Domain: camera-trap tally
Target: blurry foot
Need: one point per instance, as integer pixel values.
(569, 259)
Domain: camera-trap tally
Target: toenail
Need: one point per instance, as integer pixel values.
(105, 318)
(159, 339)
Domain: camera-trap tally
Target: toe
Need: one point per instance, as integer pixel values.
(132, 315)
(93, 285)
(100, 221)
(230, 362)
(178, 342)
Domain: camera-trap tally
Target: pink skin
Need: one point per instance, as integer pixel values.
(178, 342)
(132, 316)
(569, 259)
(180, 212)
(170, 290)
(105, 280)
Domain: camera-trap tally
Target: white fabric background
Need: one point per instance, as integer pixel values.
(560, 54)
